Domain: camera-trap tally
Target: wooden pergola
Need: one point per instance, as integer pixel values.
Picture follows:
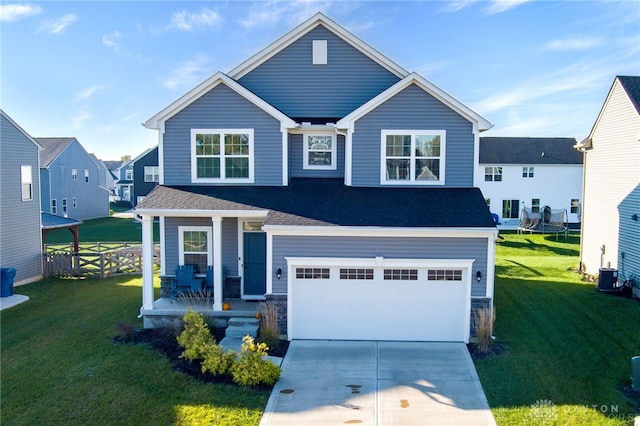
(51, 221)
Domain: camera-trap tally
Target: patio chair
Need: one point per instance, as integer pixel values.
(186, 280)
(208, 286)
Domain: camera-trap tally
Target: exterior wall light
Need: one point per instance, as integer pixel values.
(279, 273)
(478, 276)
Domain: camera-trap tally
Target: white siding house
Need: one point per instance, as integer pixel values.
(514, 172)
(611, 223)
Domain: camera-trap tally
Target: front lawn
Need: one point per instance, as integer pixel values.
(568, 347)
(60, 365)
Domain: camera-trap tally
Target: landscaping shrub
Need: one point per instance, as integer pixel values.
(196, 336)
(269, 333)
(252, 369)
(217, 361)
(485, 318)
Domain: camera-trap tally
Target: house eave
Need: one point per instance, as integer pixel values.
(202, 213)
(360, 231)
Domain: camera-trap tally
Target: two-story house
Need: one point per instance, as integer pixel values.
(519, 172)
(334, 183)
(146, 174)
(69, 183)
(611, 222)
(21, 238)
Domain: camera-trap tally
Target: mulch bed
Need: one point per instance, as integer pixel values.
(496, 350)
(164, 341)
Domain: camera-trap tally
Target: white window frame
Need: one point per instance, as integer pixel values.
(54, 206)
(413, 133)
(26, 182)
(527, 171)
(64, 207)
(86, 175)
(181, 252)
(319, 52)
(74, 174)
(75, 202)
(128, 174)
(495, 171)
(154, 173)
(222, 156)
(333, 151)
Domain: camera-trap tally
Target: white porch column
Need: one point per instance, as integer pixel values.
(147, 262)
(217, 263)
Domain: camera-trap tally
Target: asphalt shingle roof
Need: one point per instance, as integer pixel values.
(503, 150)
(632, 87)
(326, 202)
(51, 148)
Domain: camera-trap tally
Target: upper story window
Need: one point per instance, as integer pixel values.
(74, 174)
(151, 174)
(575, 206)
(222, 155)
(527, 172)
(493, 174)
(128, 174)
(319, 152)
(54, 206)
(26, 181)
(413, 157)
(86, 175)
(535, 205)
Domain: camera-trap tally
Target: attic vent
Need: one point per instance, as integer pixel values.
(319, 52)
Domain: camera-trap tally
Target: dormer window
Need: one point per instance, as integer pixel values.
(412, 157)
(319, 152)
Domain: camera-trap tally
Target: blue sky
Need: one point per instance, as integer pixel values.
(96, 70)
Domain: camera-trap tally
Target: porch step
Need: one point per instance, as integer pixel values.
(240, 327)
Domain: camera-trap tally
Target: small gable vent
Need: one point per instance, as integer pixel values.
(319, 52)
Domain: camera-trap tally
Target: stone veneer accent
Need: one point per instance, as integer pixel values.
(280, 300)
(477, 303)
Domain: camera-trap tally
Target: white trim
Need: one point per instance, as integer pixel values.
(370, 231)
(349, 120)
(163, 250)
(222, 156)
(157, 121)
(269, 266)
(333, 150)
(285, 158)
(147, 262)
(205, 213)
(378, 262)
(218, 276)
(298, 32)
(490, 272)
(241, 231)
(412, 180)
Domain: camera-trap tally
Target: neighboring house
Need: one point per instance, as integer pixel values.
(112, 177)
(611, 207)
(516, 172)
(124, 183)
(69, 182)
(103, 172)
(146, 174)
(333, 183)
(21, 238)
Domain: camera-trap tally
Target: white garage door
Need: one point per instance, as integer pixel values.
(379, 300)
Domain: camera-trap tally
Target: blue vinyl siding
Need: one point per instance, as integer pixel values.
(290, 82)
(20, 242)
(229, 242)
(222, 108)
(370, 247)
(296, 156)
(413, 109)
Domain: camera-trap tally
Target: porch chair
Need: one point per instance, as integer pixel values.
(186, 280)
(208, 286)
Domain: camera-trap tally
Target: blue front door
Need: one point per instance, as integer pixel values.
(255, 261)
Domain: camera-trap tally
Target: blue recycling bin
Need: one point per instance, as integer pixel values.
(6, 281)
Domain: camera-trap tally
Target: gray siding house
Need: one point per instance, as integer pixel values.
(21, 237)
(330, 181)
(70, 183)
(611, 210)
(146, 174)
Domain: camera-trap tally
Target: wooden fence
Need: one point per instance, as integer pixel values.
(99, 260)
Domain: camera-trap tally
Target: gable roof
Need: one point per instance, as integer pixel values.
(631, 85)
(146, 151)
(52, 147)
(316, 20)
(313, 202)
(158, 120)
(427, 86)
(52, 221)
(509, 150)
(20, 129)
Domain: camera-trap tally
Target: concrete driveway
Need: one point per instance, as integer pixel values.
(377, 383)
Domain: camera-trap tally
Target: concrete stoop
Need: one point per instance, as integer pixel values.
(237, 329)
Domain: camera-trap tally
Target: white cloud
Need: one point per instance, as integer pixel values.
(112, 40)
(499, 6)
(78, 120)
(14, 12)
(574, 44)
(188, 74)
(432, 67)
(57, 26)
(295, 12)
(87, 93)
(187, 21)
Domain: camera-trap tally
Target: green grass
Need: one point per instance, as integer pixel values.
(566, 344)
(60, 366)
(106, 229)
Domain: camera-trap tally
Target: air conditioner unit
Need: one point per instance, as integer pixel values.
(608, 279)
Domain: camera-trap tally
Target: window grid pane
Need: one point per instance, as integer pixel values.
(444, 275)
(401, 274)
(356, 274)
(312, 273)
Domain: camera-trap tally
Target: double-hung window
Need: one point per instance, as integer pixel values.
(195, 247)
(219, 155)
(151, 174)
(26, 181)
(493, 174)
(527, 172)
(319, 152)
(413, 157)
(74, 174)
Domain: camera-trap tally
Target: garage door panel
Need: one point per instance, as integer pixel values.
(379, 309)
